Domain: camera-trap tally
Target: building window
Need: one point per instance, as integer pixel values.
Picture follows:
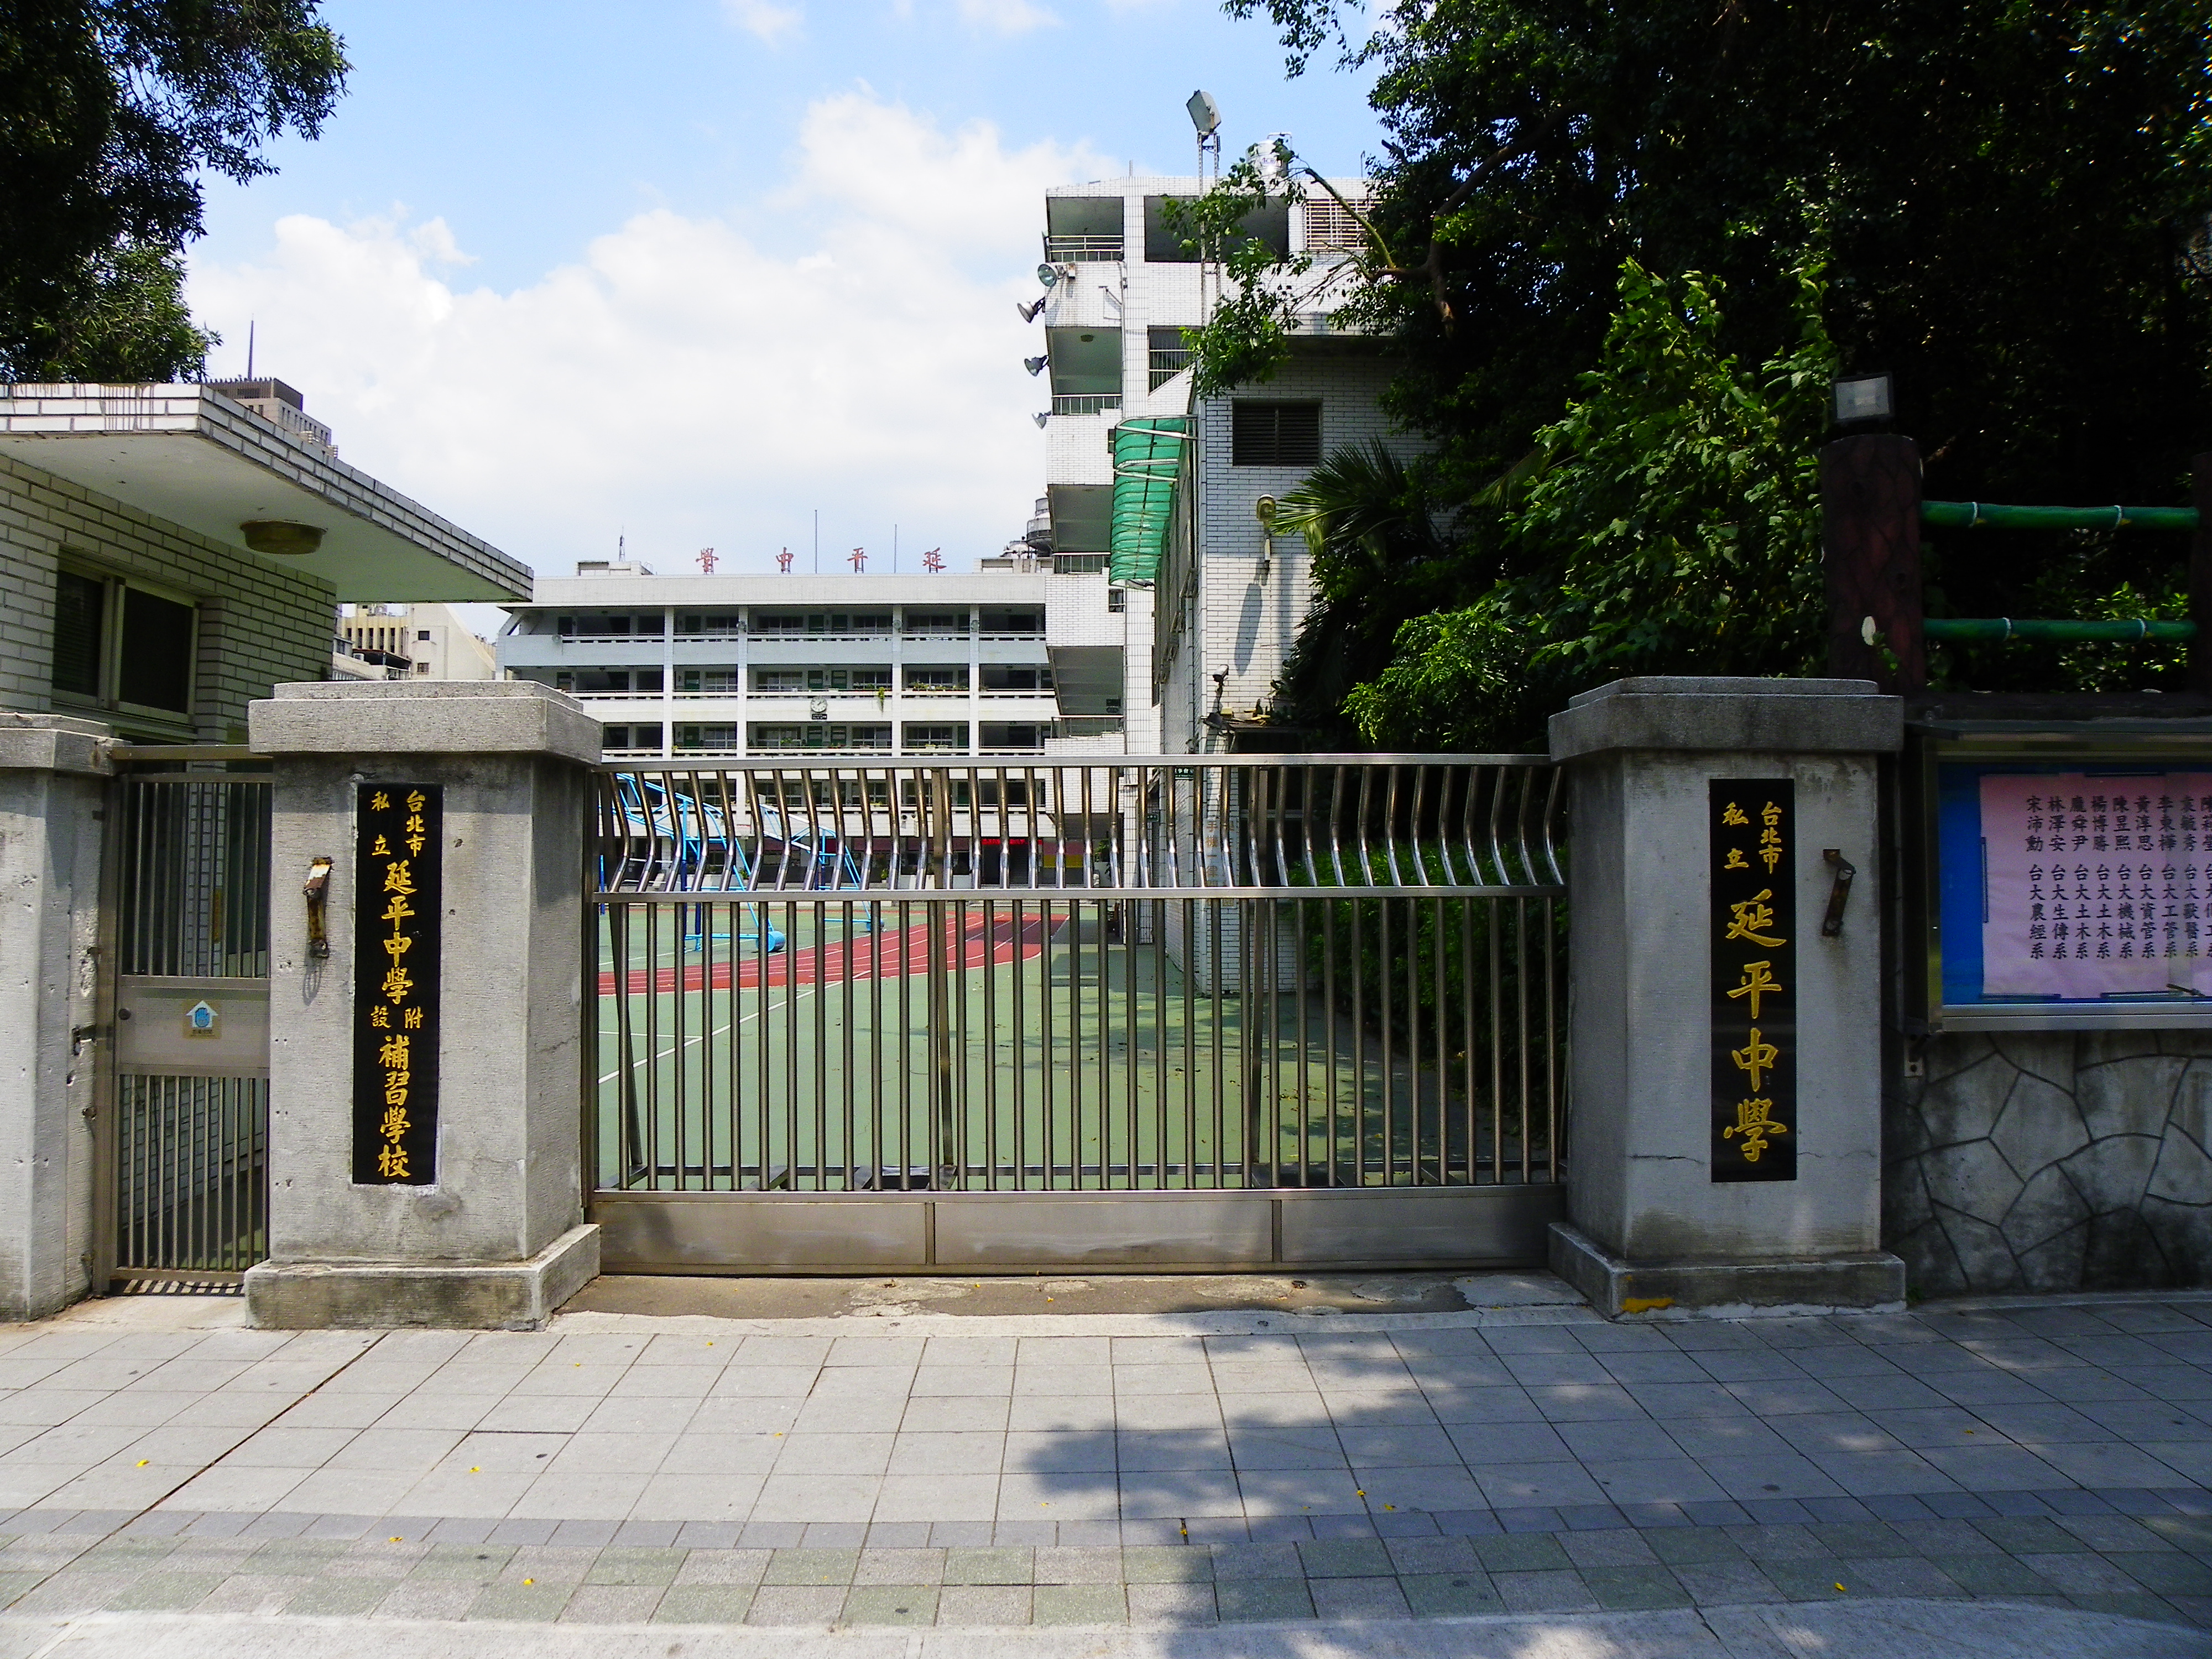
(122, 646)
(1117, 599)
(422, 633)
(1275, 435)
(421, 667)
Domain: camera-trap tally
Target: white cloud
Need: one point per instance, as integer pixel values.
(1004, 16)
(681, 381)
(764, 18)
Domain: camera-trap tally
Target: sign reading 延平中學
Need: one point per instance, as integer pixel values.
(397, 864)
(1754, 930)
(2095, 886)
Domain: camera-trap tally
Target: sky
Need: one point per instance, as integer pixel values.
(686, 273)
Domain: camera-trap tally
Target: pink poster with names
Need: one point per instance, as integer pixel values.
(2096, 885)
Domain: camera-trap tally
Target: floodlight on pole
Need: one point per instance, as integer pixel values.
(1205, 113)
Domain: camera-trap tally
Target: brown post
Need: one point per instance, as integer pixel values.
(2200, 577)
(1870, 551)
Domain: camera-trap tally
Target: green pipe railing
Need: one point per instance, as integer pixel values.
(1968, 515)
(2066, 633)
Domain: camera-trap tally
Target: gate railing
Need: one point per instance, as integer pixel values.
(186, 1139)
(1103, 974)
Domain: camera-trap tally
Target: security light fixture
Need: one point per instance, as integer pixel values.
(1028, 312)
(1040, 419)
(1035, 364)
(1863, 401)
(1048, 276)
(1205, 113)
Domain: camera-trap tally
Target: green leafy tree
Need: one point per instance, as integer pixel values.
(1667, 523)
(2013, 196)
(111, 112)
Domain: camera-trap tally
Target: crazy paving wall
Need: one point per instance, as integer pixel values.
(2052, 1161)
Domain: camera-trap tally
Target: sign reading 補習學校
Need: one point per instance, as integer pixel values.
(1754, 927)
(397, 857)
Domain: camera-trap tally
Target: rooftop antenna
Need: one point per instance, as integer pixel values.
(818, 541)
(249, 348)
(894, 550)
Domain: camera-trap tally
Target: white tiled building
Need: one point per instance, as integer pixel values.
(1203, 591)
(1004, 661)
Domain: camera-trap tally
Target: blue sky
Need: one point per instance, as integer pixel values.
(687, 271)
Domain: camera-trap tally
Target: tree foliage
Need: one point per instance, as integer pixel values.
(110, 111)
(2012, 197)
(1667, 523)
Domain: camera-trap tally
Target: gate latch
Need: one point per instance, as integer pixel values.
(317, 896)
(1833, 923)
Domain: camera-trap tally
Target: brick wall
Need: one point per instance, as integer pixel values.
(257, 625)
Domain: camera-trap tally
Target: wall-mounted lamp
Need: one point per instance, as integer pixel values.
(1028, 312)
(1048, 276)
(1264, 510)
(1040, 419)
(1035, 364)
(281, 537)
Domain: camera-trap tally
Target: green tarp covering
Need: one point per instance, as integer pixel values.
(1147, 455)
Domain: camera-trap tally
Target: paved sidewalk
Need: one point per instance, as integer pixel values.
(1166, 1472)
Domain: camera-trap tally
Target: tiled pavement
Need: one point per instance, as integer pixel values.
(1161, 1470)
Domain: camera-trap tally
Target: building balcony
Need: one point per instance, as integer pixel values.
(1082, 250)
(1086, 403)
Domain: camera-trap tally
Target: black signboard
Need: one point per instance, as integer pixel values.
(397, 859)
(1754, 932)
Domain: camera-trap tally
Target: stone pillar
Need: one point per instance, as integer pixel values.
(495, 1239)
(53, 775)
(1650, 1228)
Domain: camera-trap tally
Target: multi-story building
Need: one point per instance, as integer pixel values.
(1165, 489)
(1004, 661)
(417, 641)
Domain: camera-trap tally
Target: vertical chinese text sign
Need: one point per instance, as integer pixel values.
(1754, 930)
(397, 858)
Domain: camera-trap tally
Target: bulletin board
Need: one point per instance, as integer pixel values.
(2068, 890)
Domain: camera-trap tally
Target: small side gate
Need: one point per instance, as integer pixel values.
(1105, 1013)
(183, 1129)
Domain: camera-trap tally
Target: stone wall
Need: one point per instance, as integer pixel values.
(2052, 1161)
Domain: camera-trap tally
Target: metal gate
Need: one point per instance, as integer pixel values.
(1113, 1013)
(185, 950)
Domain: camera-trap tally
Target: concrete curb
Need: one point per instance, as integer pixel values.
(1874, 1629)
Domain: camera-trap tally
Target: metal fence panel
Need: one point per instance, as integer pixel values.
(1118, 974)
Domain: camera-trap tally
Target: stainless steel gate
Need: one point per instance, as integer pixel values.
(1183, 1012)
(185, 945)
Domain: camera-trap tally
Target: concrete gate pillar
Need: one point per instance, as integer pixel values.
(424, 1071)
(53, 772)
(1724, 1138)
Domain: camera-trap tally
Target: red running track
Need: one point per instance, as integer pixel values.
(857, 956)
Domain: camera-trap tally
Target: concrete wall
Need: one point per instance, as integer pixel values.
(2051, 1161)
(257, 625)
(50, 784)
